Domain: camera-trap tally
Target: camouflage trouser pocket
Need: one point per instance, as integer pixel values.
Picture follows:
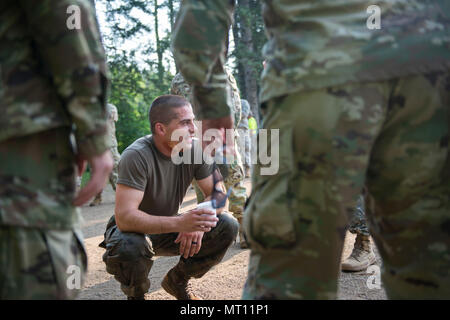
(41, 264)
(69, 260)
(269, 219)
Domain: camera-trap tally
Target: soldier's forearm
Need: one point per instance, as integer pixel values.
(199, 45)
(140, 222)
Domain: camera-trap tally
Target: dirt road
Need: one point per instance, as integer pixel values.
(223, 282)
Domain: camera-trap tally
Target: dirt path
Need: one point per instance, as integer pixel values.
(223, 282)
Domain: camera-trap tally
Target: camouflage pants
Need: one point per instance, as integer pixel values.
(129, 256)
(41, 246)
(358, 223)
(114, 175)
(390, 136)
(41, 264)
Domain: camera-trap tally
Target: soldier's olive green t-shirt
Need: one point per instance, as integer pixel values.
(142, 166)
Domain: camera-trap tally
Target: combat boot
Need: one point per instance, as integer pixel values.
(242, 242)
(177, 284)
(362, 255)
(97, 200)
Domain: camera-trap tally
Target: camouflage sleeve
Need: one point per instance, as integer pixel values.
(199, 45)
(75, 58)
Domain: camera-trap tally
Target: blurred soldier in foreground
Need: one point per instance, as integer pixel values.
(53, 86)
(356, 104)
(113, 116)
(233, 173)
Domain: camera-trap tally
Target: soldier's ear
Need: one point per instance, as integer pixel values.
(160, 129)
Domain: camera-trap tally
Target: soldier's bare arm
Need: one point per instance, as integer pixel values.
(130, 219)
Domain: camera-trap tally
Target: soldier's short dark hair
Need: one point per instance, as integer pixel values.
(162, 108)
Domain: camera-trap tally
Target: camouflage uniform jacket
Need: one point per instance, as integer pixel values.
(307, 51)
(51, 75)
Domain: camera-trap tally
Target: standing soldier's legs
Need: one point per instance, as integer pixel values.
(407, 180)
(41, 247)
(97, 199)
(296, 220)
(248, 163)
(238, 195)
(408, 206)
(244, 149)
(114, 175)
(362, 255)
(78, 182)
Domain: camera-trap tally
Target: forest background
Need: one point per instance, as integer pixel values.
(136, 36)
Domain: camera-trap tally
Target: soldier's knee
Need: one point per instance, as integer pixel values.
(130, 247)
(129, 258)
(229, 227)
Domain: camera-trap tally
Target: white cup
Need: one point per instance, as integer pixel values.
(208, 206)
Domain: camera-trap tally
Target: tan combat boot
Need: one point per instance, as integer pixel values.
(362, 255)
(242, 243)
(178, 286)
(97, 200)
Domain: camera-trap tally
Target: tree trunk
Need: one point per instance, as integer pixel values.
(159, 50)
(237, 53)
(250, 74)
(172, 17)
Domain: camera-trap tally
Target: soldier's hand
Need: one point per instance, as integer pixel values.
(101, 166)
(197, 220)
(190, 243)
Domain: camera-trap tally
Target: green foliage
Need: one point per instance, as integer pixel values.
(132, 92)
(135, 83)
(141, 74)
(85, 178)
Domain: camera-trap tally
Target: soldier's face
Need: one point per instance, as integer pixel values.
(181, 128)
